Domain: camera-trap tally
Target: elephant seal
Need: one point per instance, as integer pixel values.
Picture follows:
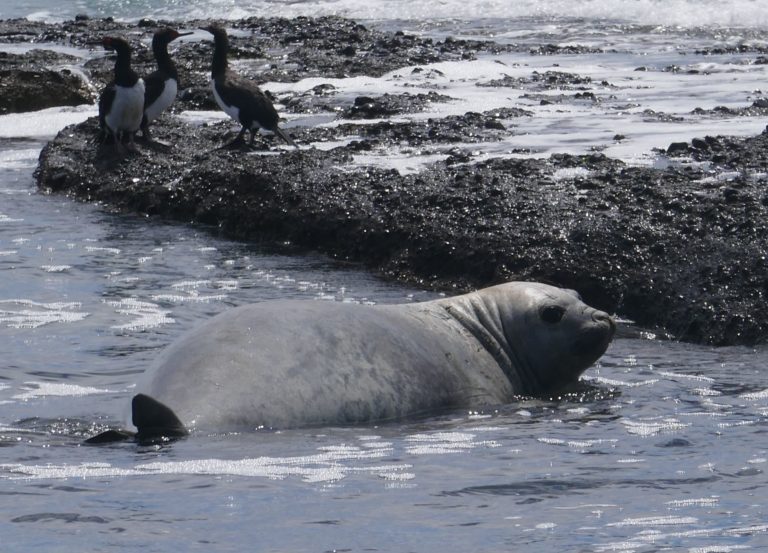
(294, 363)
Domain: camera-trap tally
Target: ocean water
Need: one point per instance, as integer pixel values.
(664, 450)
(683, 13)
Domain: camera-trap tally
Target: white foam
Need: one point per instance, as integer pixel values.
(655, 521)
(191, 284)
(627, 105)
(577, 444)
(145, 315)
(192, 297)
(55, 268)
(25, 47)
(18, 159)
(101, 249)
(330, 465)
(21, 313)
(702, 502)
(7, 219)
(718, 548)
(705, 392)
(755, 395)
(619, 383)
(202, 116)
(43, 124)
(686, 13)
(573, 127)
(683, 376)
(43, 389)
(652, 428)
(748, 530)
(441, 443)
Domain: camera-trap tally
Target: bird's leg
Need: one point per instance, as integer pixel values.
(238, 141)
(119, 149)
(102, 137)
(131, 145)
(145, 135)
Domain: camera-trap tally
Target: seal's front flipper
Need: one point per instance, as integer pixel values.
(110, 436)
(155, 421)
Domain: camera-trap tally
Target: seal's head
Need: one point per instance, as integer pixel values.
(544, 337)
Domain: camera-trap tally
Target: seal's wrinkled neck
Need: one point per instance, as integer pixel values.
(484, 322)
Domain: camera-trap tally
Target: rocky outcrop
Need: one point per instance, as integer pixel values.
(36, 80)
(677, 249)
(682, 249)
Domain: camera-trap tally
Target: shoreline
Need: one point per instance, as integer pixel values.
(673, 249)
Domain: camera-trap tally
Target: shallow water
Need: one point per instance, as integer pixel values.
(663, 449)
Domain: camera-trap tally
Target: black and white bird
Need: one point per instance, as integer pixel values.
(240, 98)
(161, 85)
(121, 103)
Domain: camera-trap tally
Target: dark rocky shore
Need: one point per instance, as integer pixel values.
(682, 249)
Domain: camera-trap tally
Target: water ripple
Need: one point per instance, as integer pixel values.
(38, 314)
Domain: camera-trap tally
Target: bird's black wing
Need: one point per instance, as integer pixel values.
(153, 87)
(254, 105)
(106, 98)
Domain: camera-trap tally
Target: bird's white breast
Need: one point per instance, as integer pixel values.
(233, 111)
(127, 108)
(163, 102)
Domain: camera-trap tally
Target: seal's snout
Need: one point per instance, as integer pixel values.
(604, 318)
(594, 338)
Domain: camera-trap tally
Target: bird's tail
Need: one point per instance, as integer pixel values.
(284, 135)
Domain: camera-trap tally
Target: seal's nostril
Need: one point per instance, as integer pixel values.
(603, 317)
(600, 316)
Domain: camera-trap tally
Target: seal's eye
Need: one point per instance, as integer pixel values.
(552, 314)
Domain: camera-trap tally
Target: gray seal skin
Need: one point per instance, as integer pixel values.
(297, 363)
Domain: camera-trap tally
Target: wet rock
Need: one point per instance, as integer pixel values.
(548, 80)
(38, 80)
(673, 249)
(699, 144)
(365, 107)
(733, 49)
(554, 49)
(678, 148)
(651, 115)
(271, 49)
(22, 90)
(471, 127)
(338, 47)
(757, 109)
(682, 249)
